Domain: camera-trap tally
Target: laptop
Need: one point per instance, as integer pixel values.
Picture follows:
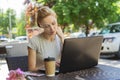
(80, 53)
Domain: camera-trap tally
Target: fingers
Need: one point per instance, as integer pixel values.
(59, 31)
(60, 34)
(57, 64)
(41, 30)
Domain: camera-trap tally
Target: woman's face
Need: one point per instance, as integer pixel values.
(49, 24)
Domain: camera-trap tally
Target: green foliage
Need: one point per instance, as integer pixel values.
(5, 20)
(21, 25)
(69, 12)
(79, 12)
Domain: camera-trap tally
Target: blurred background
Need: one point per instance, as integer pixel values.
(77, 18)
(84, 16)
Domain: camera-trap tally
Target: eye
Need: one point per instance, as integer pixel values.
(47, 26)
(53, 23)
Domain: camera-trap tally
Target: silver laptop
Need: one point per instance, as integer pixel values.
(80, 53)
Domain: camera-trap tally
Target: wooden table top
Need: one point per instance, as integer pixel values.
(99, 72)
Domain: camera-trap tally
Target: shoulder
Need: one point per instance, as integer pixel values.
(57, 37)
(35, 39)
(34, 42)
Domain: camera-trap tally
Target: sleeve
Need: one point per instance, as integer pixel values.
(32, 44)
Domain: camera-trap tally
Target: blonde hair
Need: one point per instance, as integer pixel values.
(43, 12)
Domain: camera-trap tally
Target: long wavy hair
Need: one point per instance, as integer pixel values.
(43, 12)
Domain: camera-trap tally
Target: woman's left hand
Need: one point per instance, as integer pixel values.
(60, 33)
(57, 64)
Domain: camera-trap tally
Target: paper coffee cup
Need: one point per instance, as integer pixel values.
(49, 66)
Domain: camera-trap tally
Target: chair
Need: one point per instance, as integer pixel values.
(15, 62)
(3, 52)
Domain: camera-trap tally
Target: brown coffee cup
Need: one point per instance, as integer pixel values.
(49, 66)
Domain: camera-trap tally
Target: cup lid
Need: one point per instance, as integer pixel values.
(49, 59)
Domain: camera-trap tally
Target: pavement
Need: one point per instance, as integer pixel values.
(4, 68)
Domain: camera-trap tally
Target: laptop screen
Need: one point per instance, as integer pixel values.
(80, 53)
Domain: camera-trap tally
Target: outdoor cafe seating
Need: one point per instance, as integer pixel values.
(15, 62)
(99, 72)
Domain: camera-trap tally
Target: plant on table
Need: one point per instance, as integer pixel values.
(17, 74)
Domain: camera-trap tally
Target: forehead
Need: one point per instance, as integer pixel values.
(49, 19)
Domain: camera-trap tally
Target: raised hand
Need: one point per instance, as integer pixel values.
(60, 34)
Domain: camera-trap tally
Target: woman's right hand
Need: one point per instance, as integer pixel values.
(41, 30)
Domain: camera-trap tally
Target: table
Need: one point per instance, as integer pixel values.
(16, 48)
(99, 72)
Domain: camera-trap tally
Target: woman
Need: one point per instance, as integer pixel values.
(47, 44)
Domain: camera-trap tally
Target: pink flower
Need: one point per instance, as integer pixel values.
(16, 74)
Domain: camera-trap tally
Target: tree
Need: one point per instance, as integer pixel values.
(80, 12)
(5, 20)
(21, 25)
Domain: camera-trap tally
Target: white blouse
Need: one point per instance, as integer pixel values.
(45, 48)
